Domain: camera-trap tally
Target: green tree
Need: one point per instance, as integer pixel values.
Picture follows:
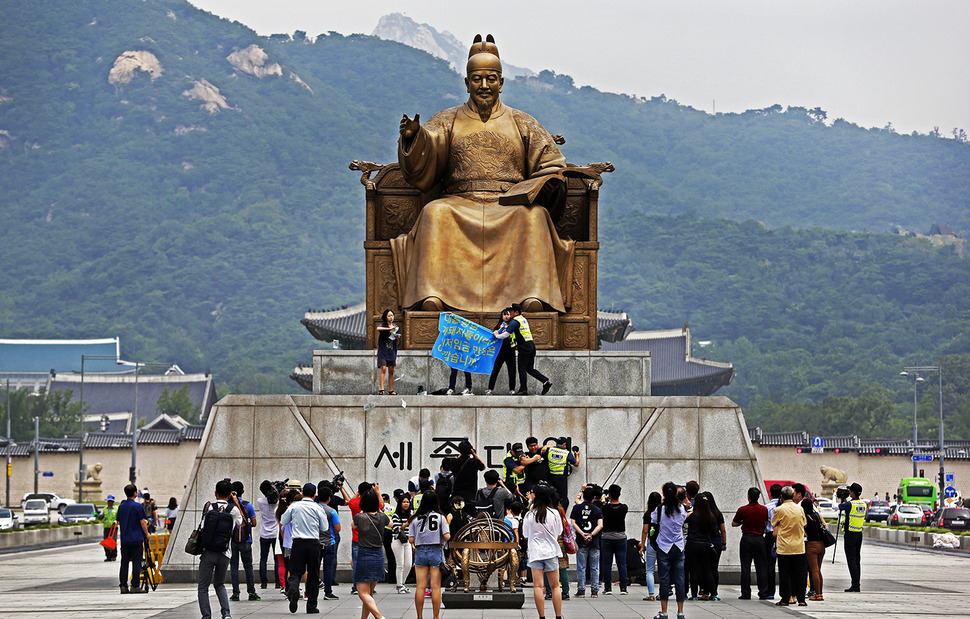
(58, 415)
(177, 402)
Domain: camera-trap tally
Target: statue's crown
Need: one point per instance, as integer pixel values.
(483, 55)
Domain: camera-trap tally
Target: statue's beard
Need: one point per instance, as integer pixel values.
(484, 108)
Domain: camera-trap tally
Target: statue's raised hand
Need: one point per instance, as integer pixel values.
(409, 126)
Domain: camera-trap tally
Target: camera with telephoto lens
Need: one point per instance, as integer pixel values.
(842, 493)
(338, 479)
(272, 489)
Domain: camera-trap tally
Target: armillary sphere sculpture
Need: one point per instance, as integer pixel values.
(481, 547)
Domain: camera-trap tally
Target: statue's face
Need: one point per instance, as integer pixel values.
(484, 86)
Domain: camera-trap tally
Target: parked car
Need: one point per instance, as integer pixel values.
(8, 519)
(53, 501)
(35, 512)
(81, 512)
(878, 510)
(828, 509)
(952, 518)
(905, 515)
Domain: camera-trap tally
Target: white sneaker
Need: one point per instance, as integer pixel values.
(488, 392)
(450, 392)
(513, 392)
(467, 392)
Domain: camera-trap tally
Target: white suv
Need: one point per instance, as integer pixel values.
(35, 512)
(52, 500)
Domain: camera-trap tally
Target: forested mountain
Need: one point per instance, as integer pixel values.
(173, 178)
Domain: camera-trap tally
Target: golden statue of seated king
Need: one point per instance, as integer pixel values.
(466, 251)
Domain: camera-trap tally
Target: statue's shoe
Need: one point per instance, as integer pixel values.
(532, 304)
(432, 304)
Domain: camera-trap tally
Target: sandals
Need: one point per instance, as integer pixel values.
(781, 603)
(381, 392)
(817, 598)
(392, 393)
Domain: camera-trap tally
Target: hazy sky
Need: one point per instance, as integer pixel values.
(871, 62)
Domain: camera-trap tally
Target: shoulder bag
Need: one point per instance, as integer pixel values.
(193, 546)
(826, 536)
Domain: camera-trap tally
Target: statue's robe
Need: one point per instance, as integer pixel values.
(465, 248)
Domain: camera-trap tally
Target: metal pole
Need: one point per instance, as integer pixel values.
(134, 433)
(82, 472)
(8, 444)
(915, 439)
(942, 474)
(36, 449)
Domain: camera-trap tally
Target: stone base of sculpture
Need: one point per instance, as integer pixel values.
(482, 599)
(90, 490)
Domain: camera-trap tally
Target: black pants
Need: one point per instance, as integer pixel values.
(267, 546)
(561, 484)
(769, 563)
(506, 357)
(792, 572)
(110, 553)
(752, 548)
(391, 561)
(130, 553)
(305, 558)
(853, 557)
(700, 557)
(454, 378)
(527, 361)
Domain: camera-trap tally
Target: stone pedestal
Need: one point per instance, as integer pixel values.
(573, 373)
(638, 442)
(483, 599)
(90, 490)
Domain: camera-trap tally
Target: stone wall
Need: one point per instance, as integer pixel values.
(637, 442)
(163, 469)
(876, 473)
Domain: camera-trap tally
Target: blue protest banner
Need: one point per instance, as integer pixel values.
(465, 345)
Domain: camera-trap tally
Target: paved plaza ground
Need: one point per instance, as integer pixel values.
(74, 581)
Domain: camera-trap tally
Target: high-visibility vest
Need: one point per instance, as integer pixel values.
(857, 516)
(416, 503)
(556, 457)
(524, 331)
(517, 477)
(388, 511)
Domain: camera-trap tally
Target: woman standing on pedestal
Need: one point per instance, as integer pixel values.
(387, 334)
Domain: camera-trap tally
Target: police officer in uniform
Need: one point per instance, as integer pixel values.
(855, 515)
(559, 459)
(521, 337)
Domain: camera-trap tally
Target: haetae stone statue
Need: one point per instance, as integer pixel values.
(466, 251)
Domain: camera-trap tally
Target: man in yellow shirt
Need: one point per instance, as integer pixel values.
(789, 525)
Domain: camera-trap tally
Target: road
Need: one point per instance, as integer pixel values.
(75, 582)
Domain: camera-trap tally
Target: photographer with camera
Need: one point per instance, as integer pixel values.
(338, 497)
(559, 459)
(854, 510)
(269, 529)
(354, 504)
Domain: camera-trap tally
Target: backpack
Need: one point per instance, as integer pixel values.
(244, 532)
(484, 504)
(444, 488)
(217, 528)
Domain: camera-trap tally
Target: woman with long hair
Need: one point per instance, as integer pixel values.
(506, 354)
(648, 543)
(670, 516)
(369, 564)
(387, 334)
(400, 545)
(543, 526)
(171, 513)
(814, 548)
(428, 531)
(719, 540)
(700, 548)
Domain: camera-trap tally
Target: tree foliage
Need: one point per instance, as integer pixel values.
(58, 415)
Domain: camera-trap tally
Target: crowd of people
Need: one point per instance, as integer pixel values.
(516, 352)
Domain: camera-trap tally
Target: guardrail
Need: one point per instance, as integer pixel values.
(907, 538)
(38, 537)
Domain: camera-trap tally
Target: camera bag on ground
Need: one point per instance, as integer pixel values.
(217, 527)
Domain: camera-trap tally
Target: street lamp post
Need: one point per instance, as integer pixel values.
(9, 440)
(939, 371)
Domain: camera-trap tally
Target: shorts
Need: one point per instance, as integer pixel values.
(369, 565)
(546, 565)
(386, 362)
(429, 555)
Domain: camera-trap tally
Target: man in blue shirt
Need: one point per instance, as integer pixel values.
(328, 542)
(243, 548)
(133, 525)
(309, 521)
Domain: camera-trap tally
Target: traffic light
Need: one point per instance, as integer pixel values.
(921, 474)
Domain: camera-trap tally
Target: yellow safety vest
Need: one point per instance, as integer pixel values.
(416, 502)
(857, 516)
(517, 477)
(524, 331)
(556, 457)
(388, 511)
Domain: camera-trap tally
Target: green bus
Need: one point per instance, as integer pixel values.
(917, 491)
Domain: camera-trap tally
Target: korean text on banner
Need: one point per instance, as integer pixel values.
(465, 345)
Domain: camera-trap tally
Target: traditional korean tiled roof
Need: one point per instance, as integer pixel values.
(673, 371)
(101, 440)
(42, 356)
(303, 376)
(952, 449)
(612, 326)
(347, 324)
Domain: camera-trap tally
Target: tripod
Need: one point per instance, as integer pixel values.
(838, 529)
(148, 569)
